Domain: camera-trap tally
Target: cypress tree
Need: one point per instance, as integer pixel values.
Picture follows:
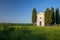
(57, 16)
(34, 16)
(52, 16)
(47, 16)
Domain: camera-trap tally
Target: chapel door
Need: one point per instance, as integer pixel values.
(40, 22)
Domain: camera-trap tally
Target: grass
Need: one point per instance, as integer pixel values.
(29, 33)
(41, 33)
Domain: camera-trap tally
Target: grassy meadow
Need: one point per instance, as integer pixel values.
(17, 32)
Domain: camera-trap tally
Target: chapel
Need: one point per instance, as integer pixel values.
(40, 19)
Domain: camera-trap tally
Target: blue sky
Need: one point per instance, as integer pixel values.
(20, 11)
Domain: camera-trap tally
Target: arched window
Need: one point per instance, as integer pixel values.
(40, 17)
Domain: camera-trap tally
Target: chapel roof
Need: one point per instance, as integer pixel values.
(40, 13)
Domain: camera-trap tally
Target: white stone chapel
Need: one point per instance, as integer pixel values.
(40, 19)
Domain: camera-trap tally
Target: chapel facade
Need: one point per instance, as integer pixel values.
(40, 19)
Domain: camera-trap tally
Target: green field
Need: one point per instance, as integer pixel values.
(8, 32)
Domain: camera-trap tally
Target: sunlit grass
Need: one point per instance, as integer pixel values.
(30, 33)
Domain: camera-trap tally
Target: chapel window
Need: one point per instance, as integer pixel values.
(40, 17)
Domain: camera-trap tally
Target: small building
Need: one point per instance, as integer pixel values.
(40, 19)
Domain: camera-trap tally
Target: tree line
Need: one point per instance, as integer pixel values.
(52, 16)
